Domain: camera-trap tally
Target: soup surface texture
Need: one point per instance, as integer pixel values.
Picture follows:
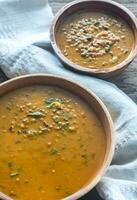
(51, 143)
(95, 39)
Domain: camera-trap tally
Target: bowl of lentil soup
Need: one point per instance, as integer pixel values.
(97, 37)
(54, 132)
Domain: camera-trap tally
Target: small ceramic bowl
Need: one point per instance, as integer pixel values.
(105, 5)
(88, 97)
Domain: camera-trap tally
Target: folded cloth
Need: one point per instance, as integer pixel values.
(25, 48)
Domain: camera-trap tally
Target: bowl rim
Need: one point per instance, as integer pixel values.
(102, 169)
(94, 71)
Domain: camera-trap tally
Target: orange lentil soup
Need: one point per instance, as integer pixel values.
(51, 143)
(95, 39)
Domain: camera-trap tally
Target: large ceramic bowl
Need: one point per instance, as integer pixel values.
(112, 7)
(89, 98)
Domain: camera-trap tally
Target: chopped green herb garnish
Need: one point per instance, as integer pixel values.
(97, 23)
(17, 141)
(13, 174)
(10, 164)
(53, 151)
(36, 114)
(49, 100)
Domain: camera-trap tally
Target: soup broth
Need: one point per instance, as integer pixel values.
(95, 39)
(51, 143)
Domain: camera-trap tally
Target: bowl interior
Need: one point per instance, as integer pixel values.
(87, 96)
(107, 6)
